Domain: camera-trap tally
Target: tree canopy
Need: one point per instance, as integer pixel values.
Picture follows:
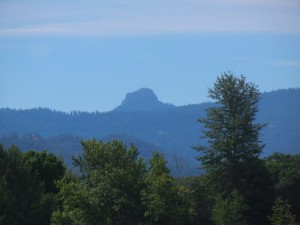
(25, 191)
(116, 187)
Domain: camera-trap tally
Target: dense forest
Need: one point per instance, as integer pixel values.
(116, 186)
(112, 184)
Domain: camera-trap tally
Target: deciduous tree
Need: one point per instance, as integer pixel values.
(108, 189)
(162, 200)
(230, 211)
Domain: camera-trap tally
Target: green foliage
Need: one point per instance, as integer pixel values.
(258, 192)
(47, 167)
(19, 191)
(74, 202)
(161, 197)
(201, 203)
(285, 170)
(115, 187)
(158, 165)
(230, 211)
(281, 213)
(108, 190)
(23, 199)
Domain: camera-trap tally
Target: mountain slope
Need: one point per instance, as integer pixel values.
(174, 130)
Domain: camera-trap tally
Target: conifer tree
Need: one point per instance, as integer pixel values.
(233, 137)
(231, 155)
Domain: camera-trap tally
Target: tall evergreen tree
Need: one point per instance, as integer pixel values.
(231, 156)
(233, 137)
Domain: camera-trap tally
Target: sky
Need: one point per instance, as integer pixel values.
(86, 55)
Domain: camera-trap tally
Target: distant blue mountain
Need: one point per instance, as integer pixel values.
(144, 120)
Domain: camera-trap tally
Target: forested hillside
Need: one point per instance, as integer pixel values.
(172, 130)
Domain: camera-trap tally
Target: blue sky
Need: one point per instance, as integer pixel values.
(86, 55)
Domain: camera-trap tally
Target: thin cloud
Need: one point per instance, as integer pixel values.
(114, 18)
(291, 63)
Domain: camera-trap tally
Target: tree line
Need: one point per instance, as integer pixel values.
(112, 185)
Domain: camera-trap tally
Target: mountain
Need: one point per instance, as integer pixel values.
(142, 100)
(173, 130)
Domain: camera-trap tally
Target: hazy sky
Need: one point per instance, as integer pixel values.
(86, 55)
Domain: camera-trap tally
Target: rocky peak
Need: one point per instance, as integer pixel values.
(143, 99)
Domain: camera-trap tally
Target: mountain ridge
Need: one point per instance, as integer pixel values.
(174, 130)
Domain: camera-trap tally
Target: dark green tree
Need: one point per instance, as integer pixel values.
(231, 156)
(27, 193)
(200, 207)
(285, 170)
(20, 192)
(48, 168)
